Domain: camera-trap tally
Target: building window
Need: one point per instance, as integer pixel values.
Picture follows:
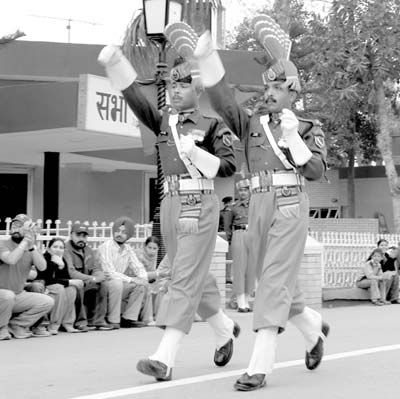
(324, 213)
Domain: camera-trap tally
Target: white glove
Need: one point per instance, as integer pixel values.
(210, 64)
(119, 70)
(289, 124)
(204, 46)
(301, 154)
(187, 147)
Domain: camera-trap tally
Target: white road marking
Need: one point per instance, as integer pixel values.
(216, 376)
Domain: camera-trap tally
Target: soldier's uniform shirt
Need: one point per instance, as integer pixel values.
(240, 212)
(277, 240)
(192, 288)
(211, 133)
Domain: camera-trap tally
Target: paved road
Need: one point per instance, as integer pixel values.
(363, 360)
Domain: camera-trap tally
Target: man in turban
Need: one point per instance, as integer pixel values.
(125, 277)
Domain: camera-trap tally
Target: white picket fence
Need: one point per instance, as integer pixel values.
(98, 231)
(345, 254)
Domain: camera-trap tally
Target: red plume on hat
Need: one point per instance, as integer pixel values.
(277, 44)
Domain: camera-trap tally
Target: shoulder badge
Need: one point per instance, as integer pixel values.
(319, 141)
(227, 138)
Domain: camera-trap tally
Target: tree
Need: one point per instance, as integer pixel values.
(333, 90)
(11, 37)
(353, 77)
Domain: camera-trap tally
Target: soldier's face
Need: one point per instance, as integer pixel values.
(183, 96)
(244, 193)
(276, 97)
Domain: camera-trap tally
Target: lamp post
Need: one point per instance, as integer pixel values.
(157, 15)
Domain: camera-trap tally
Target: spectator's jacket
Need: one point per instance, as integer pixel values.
(53, 274)
(14, 277)
(82, 264)
(389, 263)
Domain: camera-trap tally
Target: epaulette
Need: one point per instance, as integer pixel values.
(224, 130)
(306, 124)
(211, 116)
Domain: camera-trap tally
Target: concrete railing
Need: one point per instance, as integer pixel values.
(345, 253)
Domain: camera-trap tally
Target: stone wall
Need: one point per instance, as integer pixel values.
(310, 275)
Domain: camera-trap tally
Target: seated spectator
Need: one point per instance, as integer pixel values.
(126, 278)
(148, 257)
(19, 309)
(390, 268)
(82, 265)
(59, 285)
(371, 278)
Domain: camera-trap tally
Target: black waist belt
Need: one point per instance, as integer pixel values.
(241, 227)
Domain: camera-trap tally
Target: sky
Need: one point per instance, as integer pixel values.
(91, 21)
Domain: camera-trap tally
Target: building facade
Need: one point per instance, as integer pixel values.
(67, 138)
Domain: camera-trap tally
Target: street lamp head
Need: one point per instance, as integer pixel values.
(158, 14)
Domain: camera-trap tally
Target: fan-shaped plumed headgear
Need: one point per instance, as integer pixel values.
(277, 44)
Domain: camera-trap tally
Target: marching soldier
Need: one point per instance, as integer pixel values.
(193, 150)
(243, 271)
(282, 151)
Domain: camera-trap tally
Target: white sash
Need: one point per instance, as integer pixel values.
(193, 171)
(264, 121)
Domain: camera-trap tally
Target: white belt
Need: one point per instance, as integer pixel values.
(191, 185)
(279, 179)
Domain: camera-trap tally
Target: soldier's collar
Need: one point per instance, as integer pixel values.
(193, 115)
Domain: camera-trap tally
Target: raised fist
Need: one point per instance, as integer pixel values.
(187, 146)
(110, 55)
(289, 123)
(204, 46)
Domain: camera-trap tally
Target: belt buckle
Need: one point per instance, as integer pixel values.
(191, 200)
(286, 191)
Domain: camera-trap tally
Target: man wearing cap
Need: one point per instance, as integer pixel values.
(126, 278)
(82, 264)
(193, 150)
(281, 151)
(19, 310)
(243, 270)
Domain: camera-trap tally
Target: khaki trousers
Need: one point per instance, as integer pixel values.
(192, 287)
(243, 271)
(276, 248)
